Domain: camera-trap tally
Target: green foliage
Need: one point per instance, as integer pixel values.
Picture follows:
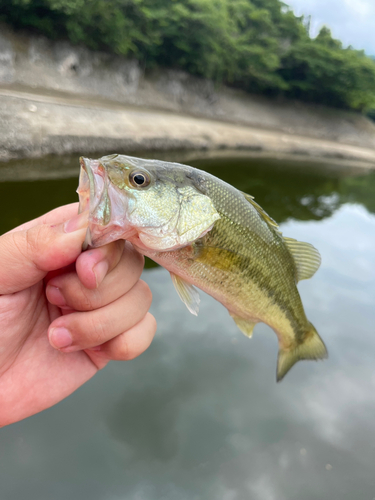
(320, 70)
(257, 45)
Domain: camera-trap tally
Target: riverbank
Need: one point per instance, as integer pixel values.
(56, 98)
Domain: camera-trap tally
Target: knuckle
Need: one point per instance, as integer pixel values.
(32, 238)
(85, 301)
(125, 348)
(97, 331)
(16, 247)
(36, 238)
(25, 246)
(125, 352)
(38, 246)
(76, 295)
(144, 291)
(153, 324)
(88, 329)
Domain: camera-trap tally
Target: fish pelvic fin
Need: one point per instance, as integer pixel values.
(312, 347)
(187, 293)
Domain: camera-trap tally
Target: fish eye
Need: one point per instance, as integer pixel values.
(139, 179)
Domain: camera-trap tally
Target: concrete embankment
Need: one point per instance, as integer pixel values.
(56, 98)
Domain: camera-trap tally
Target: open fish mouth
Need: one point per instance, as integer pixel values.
(107, 205)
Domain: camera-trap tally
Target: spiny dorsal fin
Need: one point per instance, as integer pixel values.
(187, 293)
(260, 211)
(306, 257)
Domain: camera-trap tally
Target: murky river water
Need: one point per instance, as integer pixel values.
(199, 415)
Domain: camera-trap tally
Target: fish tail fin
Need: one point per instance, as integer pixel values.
(311, 347)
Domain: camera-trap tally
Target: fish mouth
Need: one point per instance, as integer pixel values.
(107, 205)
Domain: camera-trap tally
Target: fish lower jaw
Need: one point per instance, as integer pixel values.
(99, 235)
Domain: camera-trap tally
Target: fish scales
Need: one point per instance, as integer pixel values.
(245, 260)
(210, 235)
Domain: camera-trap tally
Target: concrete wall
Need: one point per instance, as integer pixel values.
(49, 71)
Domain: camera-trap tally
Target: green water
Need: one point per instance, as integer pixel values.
(199, 415)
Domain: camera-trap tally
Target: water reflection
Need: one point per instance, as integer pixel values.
(199, 415)
(283, 189)
(286, 190)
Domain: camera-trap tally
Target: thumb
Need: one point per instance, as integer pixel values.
(27, 256)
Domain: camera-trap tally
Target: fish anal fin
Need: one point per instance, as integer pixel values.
(312, 347)
(187, 293)
(260, 210)
(244, 325)
(306, 257)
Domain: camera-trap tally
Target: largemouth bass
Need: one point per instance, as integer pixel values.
(209, 235)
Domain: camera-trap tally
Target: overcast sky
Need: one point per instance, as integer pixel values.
(351, 21)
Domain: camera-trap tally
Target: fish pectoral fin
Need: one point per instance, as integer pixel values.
(306, 258)
(244, 325)
(312, 347)
(187, 293)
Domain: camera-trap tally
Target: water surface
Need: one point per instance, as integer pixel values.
(199, 415)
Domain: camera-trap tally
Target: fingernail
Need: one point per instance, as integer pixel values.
(55, 296)
(60, 337)
(100, 270)
(77, 222)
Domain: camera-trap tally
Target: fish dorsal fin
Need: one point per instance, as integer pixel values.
(260, 211)
(244, 325)
(187, 293)
(306, 258)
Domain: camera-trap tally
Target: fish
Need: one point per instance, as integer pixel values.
(210, 236)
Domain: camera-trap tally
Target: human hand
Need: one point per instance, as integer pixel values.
(64, 314)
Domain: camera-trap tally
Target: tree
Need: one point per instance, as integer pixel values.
(256, 45)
